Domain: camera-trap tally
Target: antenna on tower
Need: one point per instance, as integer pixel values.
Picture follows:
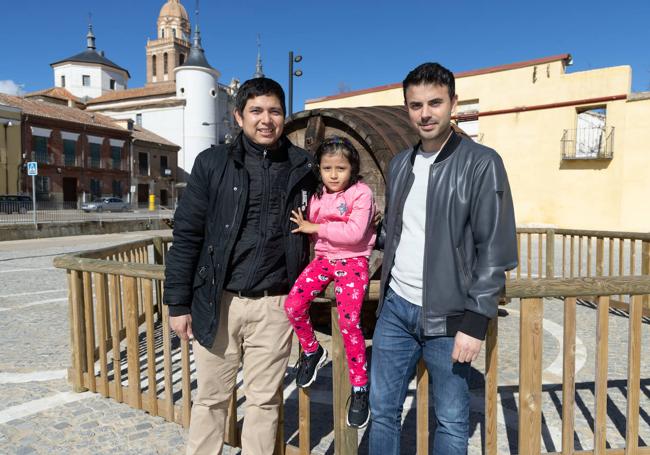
(90, 36)
(196, 12)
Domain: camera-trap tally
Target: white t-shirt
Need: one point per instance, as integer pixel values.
(406, 274)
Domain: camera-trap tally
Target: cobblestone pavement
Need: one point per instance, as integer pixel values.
(39, 413)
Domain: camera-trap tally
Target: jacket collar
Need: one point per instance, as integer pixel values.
(449, 148)
(296, 157)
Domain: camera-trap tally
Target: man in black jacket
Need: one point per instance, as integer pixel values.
(232, 262)
(448, 237)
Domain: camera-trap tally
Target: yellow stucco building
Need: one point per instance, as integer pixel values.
(576, 145)
(10, 149)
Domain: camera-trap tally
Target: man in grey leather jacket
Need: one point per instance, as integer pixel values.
(448, 237)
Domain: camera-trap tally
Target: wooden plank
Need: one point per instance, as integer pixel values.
(89, 320)
(564, 274)
(602, 339)
(530, 377)
(280, 445)
(529, 256)
(101, 290)
(233, 437)
(579, 258)
(540, 259)
(589, 250)
(422, 400)
(78, 339)
(491, 384)
(600, 256)
(621, 248)
(345, 438)
(645, 268)
(116, 303)
(641, 451)
(569, 376)
(572, 256)
(147, 290)
(167, 363)
(304, 421)
(610, 265)
(550, 254)
(518, 256)
(132, 341)
(186, 390)
(578, 287)
(633, 376)
(632, 257)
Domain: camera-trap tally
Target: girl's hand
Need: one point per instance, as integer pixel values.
(304, 226)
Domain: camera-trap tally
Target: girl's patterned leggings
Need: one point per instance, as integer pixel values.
(351, 282)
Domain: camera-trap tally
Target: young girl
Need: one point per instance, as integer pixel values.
(339, 218)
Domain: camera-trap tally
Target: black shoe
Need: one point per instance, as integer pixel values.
(308, 366)
(358, 412)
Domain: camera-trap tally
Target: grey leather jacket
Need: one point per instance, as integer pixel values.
(470, 235)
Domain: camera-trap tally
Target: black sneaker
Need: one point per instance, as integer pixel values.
(308, 367)
(358, 412)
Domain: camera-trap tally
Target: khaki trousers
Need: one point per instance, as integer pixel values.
(257, 333)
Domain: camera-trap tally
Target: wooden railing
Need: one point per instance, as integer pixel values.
(122, 346)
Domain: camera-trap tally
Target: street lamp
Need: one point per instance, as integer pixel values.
(292, 73)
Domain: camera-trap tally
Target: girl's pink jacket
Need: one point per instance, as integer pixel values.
(346, 229)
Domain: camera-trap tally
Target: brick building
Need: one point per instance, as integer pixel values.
(80, 154)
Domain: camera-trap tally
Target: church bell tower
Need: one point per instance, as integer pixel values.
(172, 46)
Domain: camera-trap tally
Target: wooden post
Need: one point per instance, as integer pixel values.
(345, 438)
(280, 445)
(147, 290)
(569, 376)
(602, 338)
(186, 395)
(550, 253)
(132, 341)
(116, 303)
(422, 400)
(645, 269)
(304, 419)
(101, 289)
(78, 336)
(491, 384)
(232, 438)
(633, 376)
(167, 365)
(89, 320)
(600, 256)
(530, 377)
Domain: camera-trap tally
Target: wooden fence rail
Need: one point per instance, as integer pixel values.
(122, 346)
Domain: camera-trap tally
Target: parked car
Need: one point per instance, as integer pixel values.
(108, 204)
(10, 203)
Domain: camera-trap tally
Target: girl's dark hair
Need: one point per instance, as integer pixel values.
(331, 146)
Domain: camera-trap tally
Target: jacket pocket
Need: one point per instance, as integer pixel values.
(465, 275)
(200, 277)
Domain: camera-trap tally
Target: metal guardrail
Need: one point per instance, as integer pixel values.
(64, 213)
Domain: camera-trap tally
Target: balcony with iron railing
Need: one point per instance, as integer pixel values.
(591, 143)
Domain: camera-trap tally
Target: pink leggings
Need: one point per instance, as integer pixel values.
(351, 282)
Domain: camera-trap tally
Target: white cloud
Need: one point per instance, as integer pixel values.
(11, 88)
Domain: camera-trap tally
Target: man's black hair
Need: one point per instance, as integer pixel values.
(259, 86)
(431, 73)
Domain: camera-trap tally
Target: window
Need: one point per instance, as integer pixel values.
(85, 80)
(95, 188)
(95, 155)
(39, 147)
(117, 188)
(138, 119)
(181, 59)
(116, 157)
(143, 163)
(174, 32)
(163, 164)
(112, 84)
(153, 65)
(165, 61)
(467, 118)
(42, 188)
(590, 139)
(62, 81)
(162, 32)
(69, 152)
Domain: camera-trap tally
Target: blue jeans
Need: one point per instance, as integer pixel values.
(397, 346)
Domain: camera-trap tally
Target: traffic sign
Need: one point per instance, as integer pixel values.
(32, 168)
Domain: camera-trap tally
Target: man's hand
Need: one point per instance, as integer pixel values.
(304, 226)
(466, 348)
(182, 325)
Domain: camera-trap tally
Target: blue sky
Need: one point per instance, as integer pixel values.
(353, 44)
